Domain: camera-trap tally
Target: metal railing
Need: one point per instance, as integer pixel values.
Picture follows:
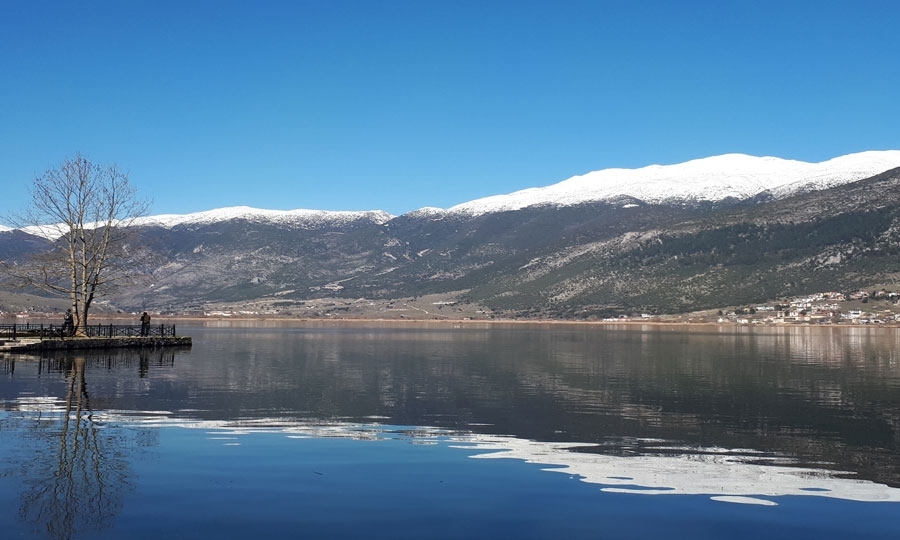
(15, 331)
(129, 330)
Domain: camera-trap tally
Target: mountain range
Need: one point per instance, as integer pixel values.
(720, 231)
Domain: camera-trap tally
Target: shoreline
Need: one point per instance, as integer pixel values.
(459, 321)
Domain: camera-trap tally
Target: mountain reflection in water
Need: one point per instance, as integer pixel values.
(731, 475)
(817, 394)
(740, 414)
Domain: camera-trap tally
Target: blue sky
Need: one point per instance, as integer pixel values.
(399, 104)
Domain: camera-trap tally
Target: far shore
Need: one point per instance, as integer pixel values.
(664, 321)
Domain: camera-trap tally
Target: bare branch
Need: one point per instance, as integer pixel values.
(85, 209)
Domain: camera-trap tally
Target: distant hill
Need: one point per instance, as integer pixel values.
(547, 252)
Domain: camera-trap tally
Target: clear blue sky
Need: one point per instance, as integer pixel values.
(399, 104)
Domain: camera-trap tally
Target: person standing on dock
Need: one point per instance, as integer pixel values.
(68, 328)
(145, 325)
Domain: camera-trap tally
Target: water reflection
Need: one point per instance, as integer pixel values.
(653, 467)
(820, 394)
(729, 475)
(74, 468)
(742, 414)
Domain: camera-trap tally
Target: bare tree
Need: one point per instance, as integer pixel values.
(86, 209)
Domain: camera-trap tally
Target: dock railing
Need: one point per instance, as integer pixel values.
(15, 331)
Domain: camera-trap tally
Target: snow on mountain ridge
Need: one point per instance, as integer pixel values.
(299, 216)
(430, 212)
(709, 179)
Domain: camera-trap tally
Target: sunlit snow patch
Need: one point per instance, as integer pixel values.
(729, 475)
(744, 500)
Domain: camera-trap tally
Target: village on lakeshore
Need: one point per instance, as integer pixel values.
(857, 307)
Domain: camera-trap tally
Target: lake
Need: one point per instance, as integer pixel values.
(341, 430)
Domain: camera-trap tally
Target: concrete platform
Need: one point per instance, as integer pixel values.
(68, 344)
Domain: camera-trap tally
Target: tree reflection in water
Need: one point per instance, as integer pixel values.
(76, 471)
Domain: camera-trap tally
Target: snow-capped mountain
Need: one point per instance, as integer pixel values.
(299, 218)
(715, 178)
(553, 257)
(302, 219)
(737, 176)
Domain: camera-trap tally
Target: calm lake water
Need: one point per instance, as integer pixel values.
(273, 430)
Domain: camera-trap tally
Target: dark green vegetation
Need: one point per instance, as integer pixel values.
(584, 261)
